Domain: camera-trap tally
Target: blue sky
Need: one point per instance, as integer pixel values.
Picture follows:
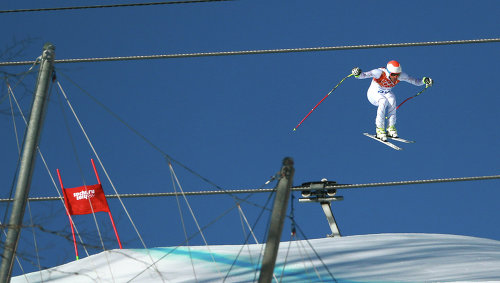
(230, 119)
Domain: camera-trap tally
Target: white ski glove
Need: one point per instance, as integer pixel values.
(427, 81)
(356, 72)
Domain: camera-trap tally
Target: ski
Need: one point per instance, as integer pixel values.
(389, 144)
(400, 140)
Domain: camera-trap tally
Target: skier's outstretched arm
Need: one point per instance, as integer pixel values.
(418, 82)
(358, 74)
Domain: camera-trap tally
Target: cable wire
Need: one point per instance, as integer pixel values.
(268, 51)
(156, 147)
(299, 188)
(261, 213)
(316, 253)
(105, 171)
(109, 6)
(48, 171)
(27, 202)
(183, 226)
(77, 160)
(194, 217)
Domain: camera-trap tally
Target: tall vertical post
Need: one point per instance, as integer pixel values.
(27, 161)
(277, 219)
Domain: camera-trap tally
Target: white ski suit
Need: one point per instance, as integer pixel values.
(380, 93)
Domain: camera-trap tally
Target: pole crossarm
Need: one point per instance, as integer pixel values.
(297, 188)
(265, 51)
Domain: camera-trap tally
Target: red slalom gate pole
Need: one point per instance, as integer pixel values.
(69, 216)
(109, 212)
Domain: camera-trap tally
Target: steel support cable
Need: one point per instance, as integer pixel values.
(285, 261)
(10, 93)
(20, 80)
(265, 51)
(316, 253)
(28, 204)
(292, 235)
(109, 6)
(105, 172)
(48, 171)
(50, 175)
(184, 227)
(248, 236)
(416, 182)
(157, 148)
(299, 188)
(16, 257)
(194, 217)
(300, 246)
(169, 158)
(196, 234)
(11, 190)
(244, 220)
(307, 259)
(245, 199)
(75, 152)
(34, 241)
(118, 196)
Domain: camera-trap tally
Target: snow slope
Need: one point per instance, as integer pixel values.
(366, 258)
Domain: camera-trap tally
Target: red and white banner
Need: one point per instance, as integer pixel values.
(85, 199)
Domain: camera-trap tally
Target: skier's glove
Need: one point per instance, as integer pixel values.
(427, 81)
(356, 72)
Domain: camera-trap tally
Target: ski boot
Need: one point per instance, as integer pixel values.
(392, 132)
(381, 134)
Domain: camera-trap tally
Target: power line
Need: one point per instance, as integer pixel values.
(298, 188)
(109, 6)
(262, 51)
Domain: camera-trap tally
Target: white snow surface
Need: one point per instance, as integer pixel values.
(365, 258)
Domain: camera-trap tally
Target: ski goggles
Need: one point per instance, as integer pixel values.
(394, 74)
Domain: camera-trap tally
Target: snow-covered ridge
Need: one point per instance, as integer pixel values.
(366, 258)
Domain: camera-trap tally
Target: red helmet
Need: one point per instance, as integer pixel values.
(393, 67)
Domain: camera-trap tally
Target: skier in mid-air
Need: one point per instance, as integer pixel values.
(380, 94)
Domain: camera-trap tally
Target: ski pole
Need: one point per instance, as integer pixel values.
(410, 98)
(413, 96)
(294, 129)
